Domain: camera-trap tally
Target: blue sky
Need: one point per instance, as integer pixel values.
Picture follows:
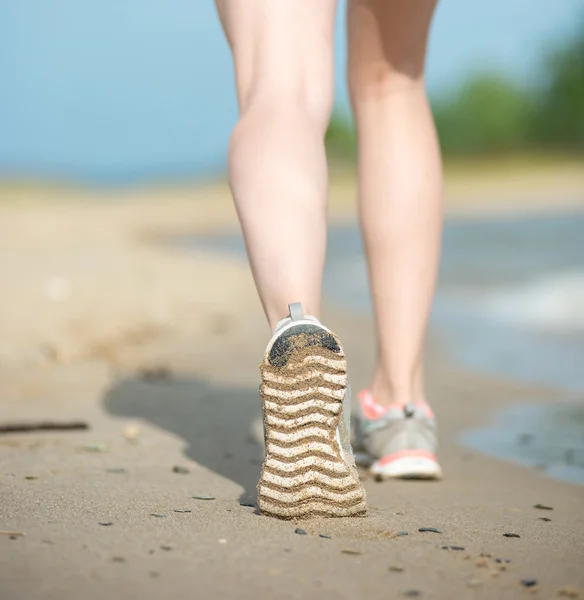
(121, 90)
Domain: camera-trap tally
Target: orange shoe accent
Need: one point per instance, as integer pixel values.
(372, 410)
(406, 454)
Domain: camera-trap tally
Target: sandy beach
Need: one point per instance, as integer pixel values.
(155, 348)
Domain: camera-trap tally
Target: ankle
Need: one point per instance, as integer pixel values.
(391, 390)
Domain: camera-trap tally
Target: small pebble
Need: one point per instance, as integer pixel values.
(500, 561)
(180, 470)
(528, 582)
(325, 536)
(116, 470)
(131, 433)
(300, 531)
(543, 507)
(222, 540)
(546, 519)
(154, 574)
(158, 515)
(166, 548)
(485, 555)
(511, 535)
(568, 592)
(482, 563)
(118, 559)
(248, 504)
(31, 477)
(396, 569)
(182, 510)
(95, 447)
(351, 552)
(453, 548)
(203, 497)
(429, 529)
(105, 523)
(155, 374)
(400, 533)
(412, 593)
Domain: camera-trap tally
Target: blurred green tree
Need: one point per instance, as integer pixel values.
(559, 110)
(491, 115)
(487, 115)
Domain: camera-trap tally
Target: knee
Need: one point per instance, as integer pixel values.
(378, 80)
(302, 104)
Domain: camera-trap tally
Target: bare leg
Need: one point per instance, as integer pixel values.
(283, 60)
(400, 182)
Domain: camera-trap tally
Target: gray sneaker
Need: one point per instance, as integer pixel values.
(401, 440)
(309, 469)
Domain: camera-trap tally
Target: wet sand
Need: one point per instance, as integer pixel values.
(156, 348)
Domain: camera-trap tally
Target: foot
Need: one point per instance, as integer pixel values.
(401, 440)
(309, 468)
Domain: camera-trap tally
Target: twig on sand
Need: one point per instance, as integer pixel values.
(43, 426)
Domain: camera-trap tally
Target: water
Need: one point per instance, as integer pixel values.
(510, 303)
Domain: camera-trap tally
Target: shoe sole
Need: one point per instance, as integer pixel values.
(407, 468)
(304, 381)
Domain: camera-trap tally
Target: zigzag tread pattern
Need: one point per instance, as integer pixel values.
(304, 473)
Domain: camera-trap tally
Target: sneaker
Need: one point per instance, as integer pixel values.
(401, 440)
(309, 469)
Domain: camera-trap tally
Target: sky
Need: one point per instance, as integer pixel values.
(125, 90)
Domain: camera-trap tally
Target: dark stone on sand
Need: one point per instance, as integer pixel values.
(351, 552)
(543, 507)
(105, 523)
(248, 504)
(182, 510)
(325, 536)
(203, 497)
(511, 535)
(457, 548)
(528, 582)
(166, 548)
(300, 531)
(155, 374)
(544, 519)
(118, 559)
(180, 470)
(500, 561)
(396, 569)
(429, 529)
(412, 593)
(158, 515)
(485, 555)
(116, 470)
(400, 533)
